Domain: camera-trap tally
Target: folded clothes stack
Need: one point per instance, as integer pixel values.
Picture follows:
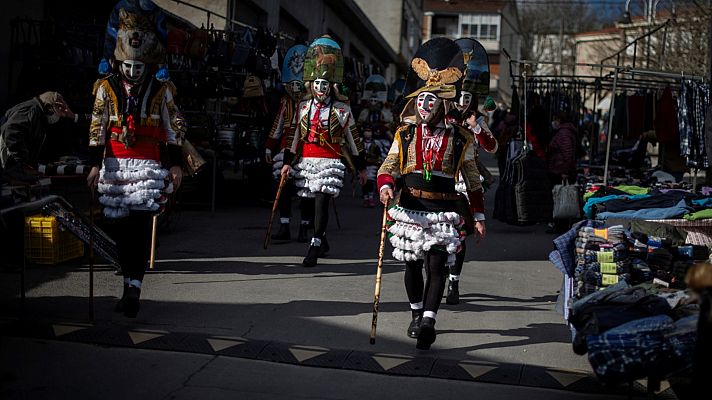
(601, 259)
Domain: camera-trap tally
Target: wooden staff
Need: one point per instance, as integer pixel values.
(379, 271)
(154, 228)
(282, 181)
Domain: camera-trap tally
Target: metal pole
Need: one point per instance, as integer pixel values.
(611, 113)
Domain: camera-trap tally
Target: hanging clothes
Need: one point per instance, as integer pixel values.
(692, 105)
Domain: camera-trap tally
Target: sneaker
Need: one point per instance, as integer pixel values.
(131, 303)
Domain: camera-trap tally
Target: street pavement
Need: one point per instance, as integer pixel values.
(223, 318)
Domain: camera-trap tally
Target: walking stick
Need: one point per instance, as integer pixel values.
(338, 222)
(282, 181)
(91, 254)
(379, 270)
(153, 241)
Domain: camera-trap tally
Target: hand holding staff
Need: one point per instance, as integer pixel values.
(282, 181)
(379, 270)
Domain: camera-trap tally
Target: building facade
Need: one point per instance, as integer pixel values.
(400, 23)
(495, 24)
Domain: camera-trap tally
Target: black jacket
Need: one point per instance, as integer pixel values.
(22, 134)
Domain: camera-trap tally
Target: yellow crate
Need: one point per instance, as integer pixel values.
(45, 243)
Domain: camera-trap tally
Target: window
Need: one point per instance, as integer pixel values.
(444, 25)
(479, 26)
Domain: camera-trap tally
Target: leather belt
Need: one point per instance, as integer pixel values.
(424, 194)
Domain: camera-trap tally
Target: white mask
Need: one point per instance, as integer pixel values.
(321, 88)
(425, 104)
(133, 71)
(464, 101)
(53, 118)
(296, 87)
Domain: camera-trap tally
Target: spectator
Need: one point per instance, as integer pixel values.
(561, 158)
(24, 131)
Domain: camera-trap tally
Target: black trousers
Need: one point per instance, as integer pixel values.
(430, 291)
(306, 205)
(321, 214)
(132, 235)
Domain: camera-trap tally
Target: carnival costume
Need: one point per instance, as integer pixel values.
(326, 132)
(475, 82)
(281, 136)
(426, 227)
(136, 130)
(375, 123)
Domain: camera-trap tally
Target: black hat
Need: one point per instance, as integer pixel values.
(477, 71)
(437, 67)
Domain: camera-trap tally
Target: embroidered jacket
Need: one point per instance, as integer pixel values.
(456, 156)
(156, 109)
(282, 133)
(341, 128)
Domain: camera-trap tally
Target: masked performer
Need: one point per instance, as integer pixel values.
(375, 122)
(281, 136)
(136, 131)
(326, 131)
(475, 82)
(429, 153)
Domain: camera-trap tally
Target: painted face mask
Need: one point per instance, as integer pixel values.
(321, 88)
(427, 105)
(463, 104)
(296, 87)
(133, 71)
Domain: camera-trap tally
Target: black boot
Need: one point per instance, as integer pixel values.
(312, 256)
(119, 308)
(453, 292)
(303, 233)
(283, 233)
(131, 302)
(324, 248)
(427, 334)
(414, 327)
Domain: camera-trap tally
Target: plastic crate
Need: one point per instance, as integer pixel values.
(46, 243)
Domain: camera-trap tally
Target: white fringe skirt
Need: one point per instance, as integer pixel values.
(132, 184)
(412, 233)
(319, 175)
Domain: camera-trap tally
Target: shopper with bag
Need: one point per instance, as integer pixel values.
(561, 163)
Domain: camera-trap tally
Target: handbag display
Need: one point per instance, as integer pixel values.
(566, 201)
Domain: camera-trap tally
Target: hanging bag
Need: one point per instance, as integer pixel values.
(566, 201)
(242, 48)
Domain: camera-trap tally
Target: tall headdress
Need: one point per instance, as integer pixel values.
(437, 67)
(324, 61)
(137, 39)
(293, 66)
(477, 71)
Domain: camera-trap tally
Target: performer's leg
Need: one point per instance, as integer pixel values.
(318, 245)
(285, 212)
(436, 272)
(119, 231)
(306, 207)
(453, 283)
(139, 243)
(413, 279)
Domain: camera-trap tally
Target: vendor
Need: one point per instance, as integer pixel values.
(24, 131)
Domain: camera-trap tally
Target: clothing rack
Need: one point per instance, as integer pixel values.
(618, 82)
